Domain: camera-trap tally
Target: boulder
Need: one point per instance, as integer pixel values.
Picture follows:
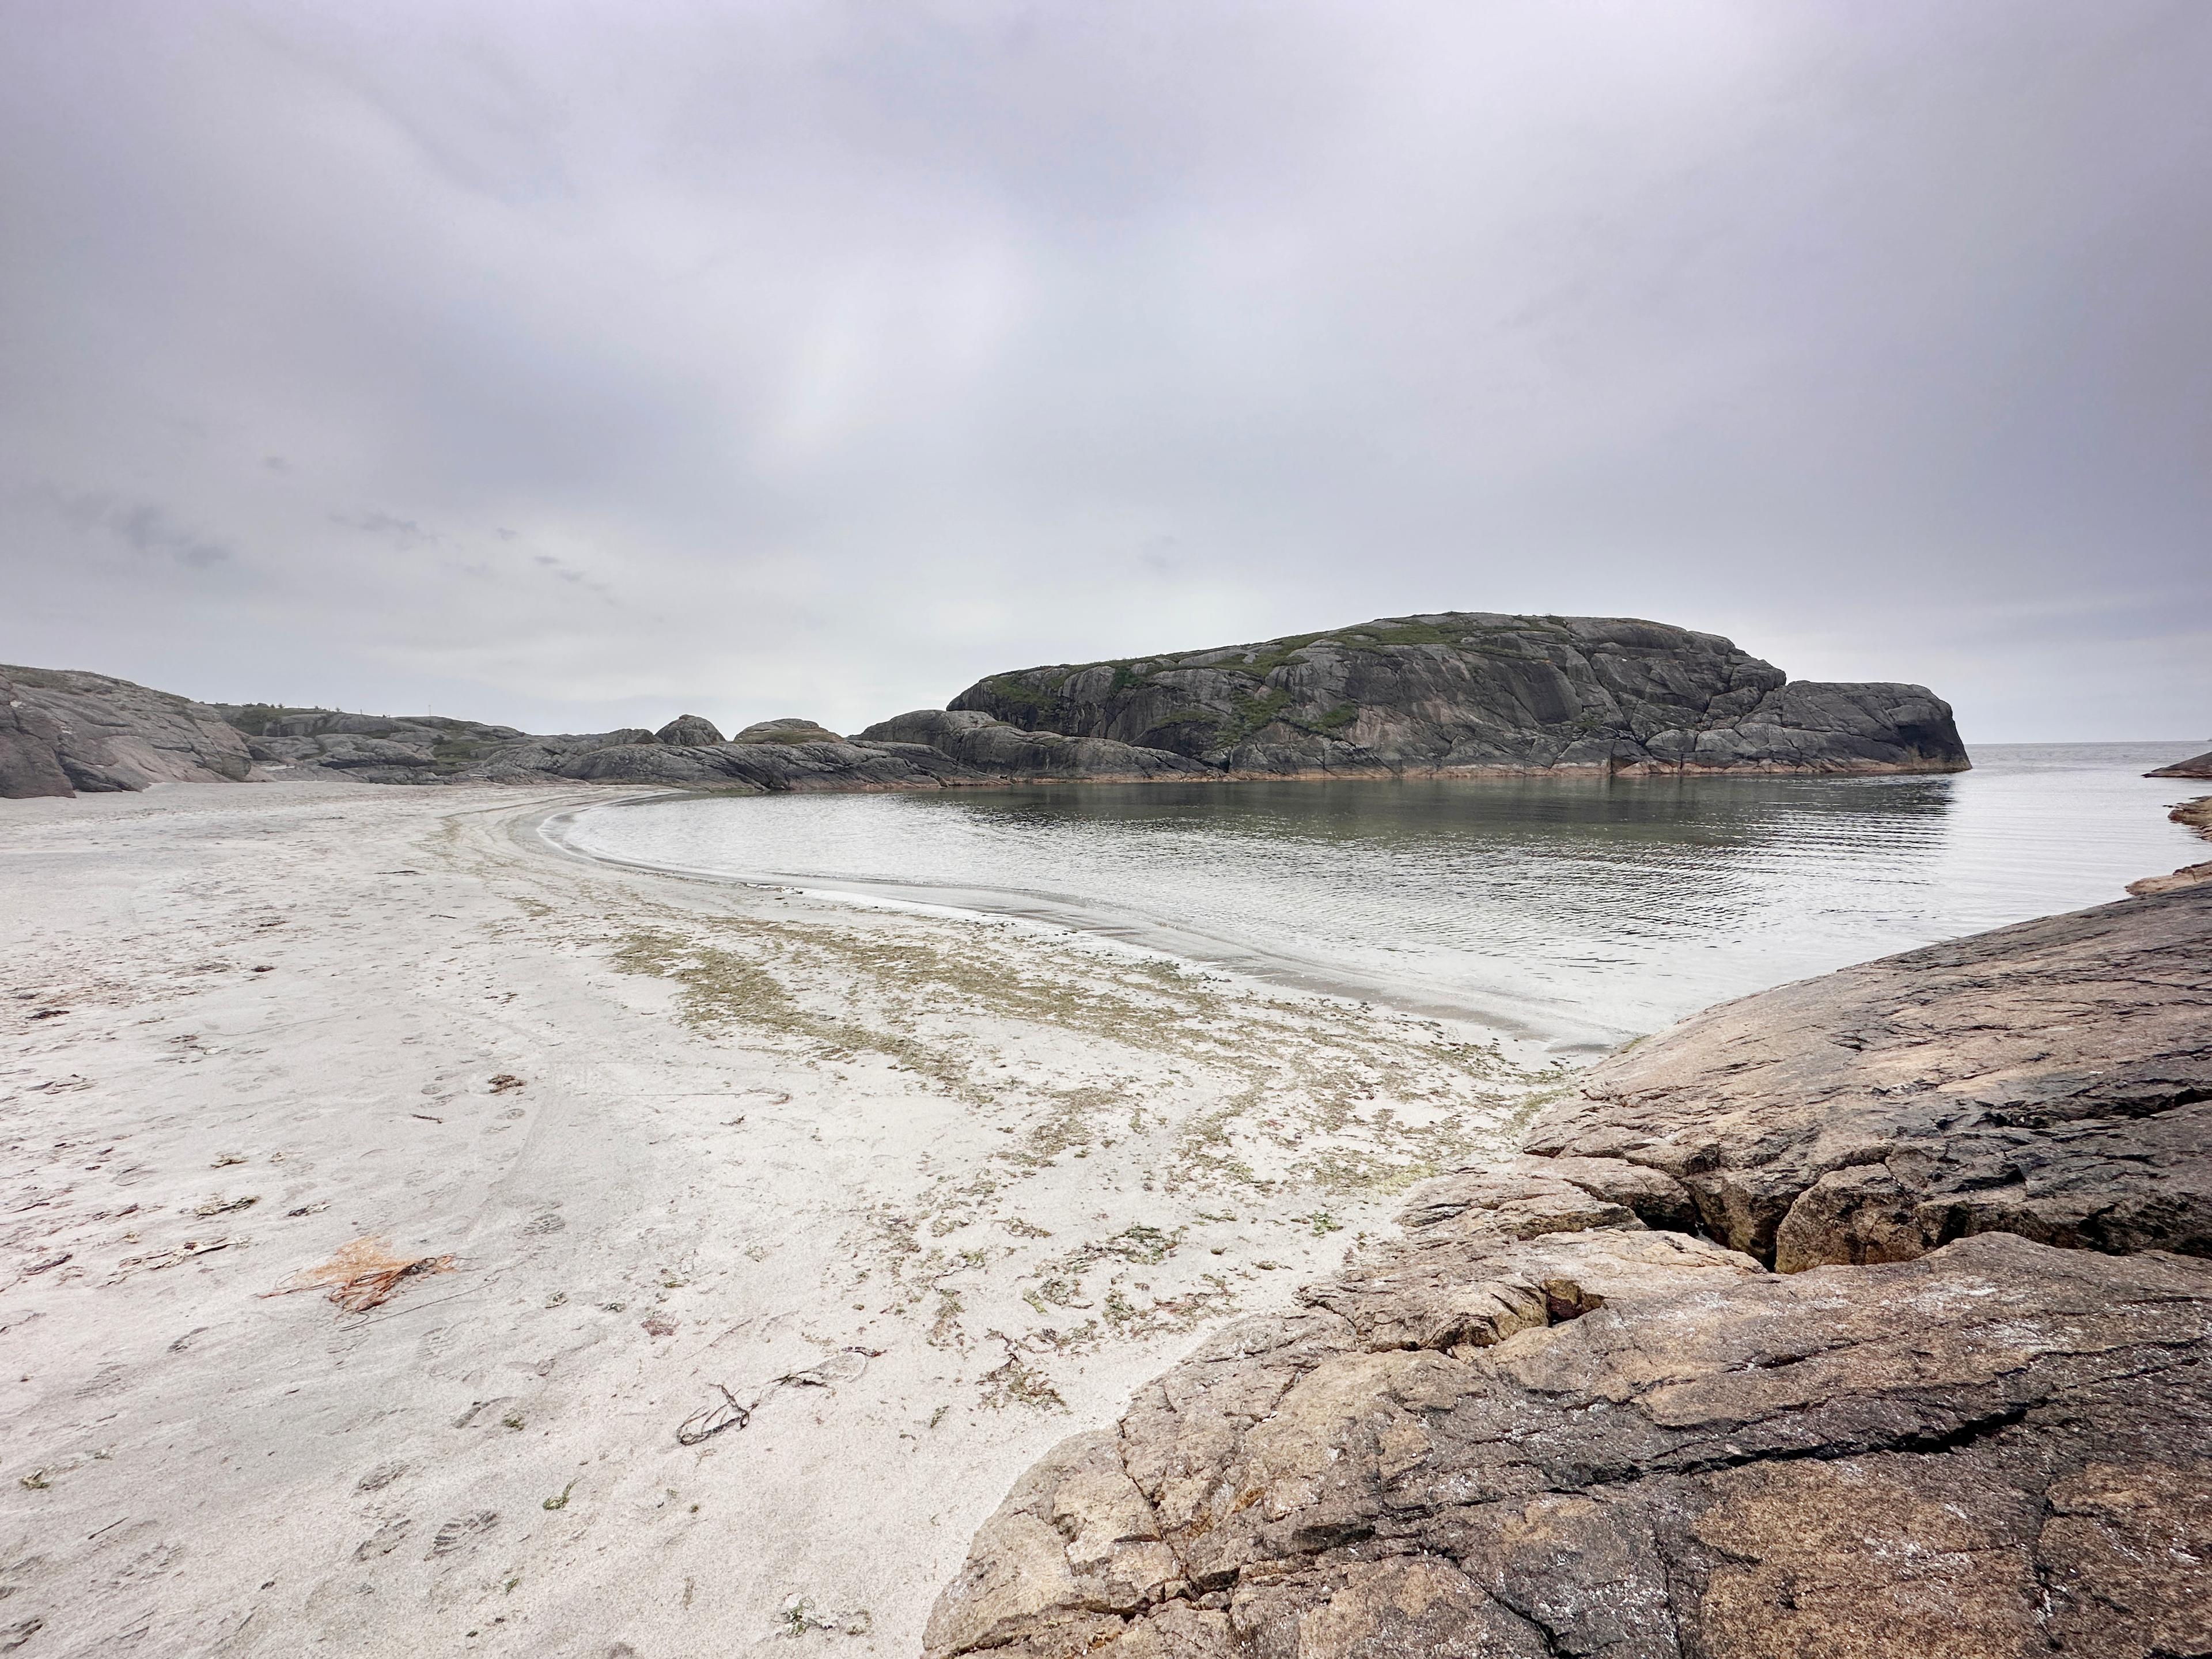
(370, 748)
(1475, 692)
(688, 731)
(2188, 876)
(1997, 1448)
(769, 767)
(790, 729)
(1440, 694)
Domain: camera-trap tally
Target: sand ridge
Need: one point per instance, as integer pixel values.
(923, 1193)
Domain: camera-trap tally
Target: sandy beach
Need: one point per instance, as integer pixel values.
(923, 1193)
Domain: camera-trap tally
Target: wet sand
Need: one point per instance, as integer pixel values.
(968, 1181)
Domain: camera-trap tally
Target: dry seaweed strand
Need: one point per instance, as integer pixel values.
(731, 1413)
(712, 1419)
(363, 1273)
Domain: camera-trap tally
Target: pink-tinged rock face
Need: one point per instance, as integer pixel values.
(97, 734)
(1707, 1458)
(2052, 1079)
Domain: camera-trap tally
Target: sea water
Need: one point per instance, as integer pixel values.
(1577, 912)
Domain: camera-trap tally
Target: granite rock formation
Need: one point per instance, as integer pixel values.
(63, 731)
(1554, 1419)
(2194, 815)
(687, 753)
(688, 731)
(991, 747)
(1999, 1449)
(2197, 766)
(2052, 1079)
(759, 766)
(1476, 692)
(405, 748)
(1450, 693)
(30, 740)
(789, 729)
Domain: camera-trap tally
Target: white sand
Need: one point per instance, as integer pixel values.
(754, 1130)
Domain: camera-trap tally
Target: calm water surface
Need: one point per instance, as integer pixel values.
(1577, 912)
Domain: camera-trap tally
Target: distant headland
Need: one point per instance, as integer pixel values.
(1447, 694)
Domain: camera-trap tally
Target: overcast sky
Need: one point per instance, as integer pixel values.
(574, 365)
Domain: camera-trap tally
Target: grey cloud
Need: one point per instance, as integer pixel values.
(145, 526)
(404, 532)
(569, 574)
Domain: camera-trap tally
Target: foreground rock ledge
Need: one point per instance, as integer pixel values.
(2052, 1079)
(1549, 1422)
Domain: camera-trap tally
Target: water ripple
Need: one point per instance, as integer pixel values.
(1578, 911)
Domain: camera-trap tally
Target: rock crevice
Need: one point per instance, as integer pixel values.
(2052, 1079)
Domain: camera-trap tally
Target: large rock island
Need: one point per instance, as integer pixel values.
(1476, 692)
(1454, 693)
(1576, 1409)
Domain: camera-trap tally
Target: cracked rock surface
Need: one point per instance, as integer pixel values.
(2195, 814)
(2052, 1079)
(1995, 1448)
(1553, 1420)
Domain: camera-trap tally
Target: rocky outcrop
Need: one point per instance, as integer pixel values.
(991, 748)
(1572, 1412)
(1999, 1449)
(688, 731)
(30, 740)
(931, 750)
(1474, 692)
(2195, 814)
(2052, 1079)
(687, 753)
(761, 767)
(790, 729)
(382, 748)
(2197, 766)
(1450, 693)
(63, 731)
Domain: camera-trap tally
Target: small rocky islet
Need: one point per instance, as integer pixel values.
(1446, 694)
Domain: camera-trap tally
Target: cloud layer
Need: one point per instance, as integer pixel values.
(573, 363)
